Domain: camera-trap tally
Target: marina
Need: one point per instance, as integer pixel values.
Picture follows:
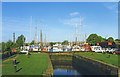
(57, 39)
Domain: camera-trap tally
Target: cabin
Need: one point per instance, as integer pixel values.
(106, 44)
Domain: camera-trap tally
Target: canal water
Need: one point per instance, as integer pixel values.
(70, 65)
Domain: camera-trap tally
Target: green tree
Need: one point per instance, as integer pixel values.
(65, 42)
(101, 38)
(32, 42)
(110, 39)
(93, 39)
(117, 39)
(3, 47)
(20, 41)
(7, 47)
(51, 43)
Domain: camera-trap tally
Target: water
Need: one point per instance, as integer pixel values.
(63, 71)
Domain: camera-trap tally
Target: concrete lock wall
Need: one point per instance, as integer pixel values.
(106, 68)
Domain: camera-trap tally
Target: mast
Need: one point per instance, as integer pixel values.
(30, 27)
(40, 33)
(45, 40)
(76, 33)
(14, 37)
(85, 38)
(37, 38)
(48, 37)
(80, 27)
(35, 33)
(41, 36)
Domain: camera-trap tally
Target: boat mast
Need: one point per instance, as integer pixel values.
(30, 27)
(76, 33)
(85, 38)
(14, 37)
(35, 33)
(80, 27)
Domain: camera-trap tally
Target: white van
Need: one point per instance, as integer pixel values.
(97, 49)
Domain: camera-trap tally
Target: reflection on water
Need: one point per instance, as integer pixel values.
(62, 71)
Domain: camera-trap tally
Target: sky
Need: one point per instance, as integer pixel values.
(58, 20)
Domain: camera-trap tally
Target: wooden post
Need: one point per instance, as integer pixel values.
(15, 67)
(14, 61)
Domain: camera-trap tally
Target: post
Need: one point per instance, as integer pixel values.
(14, 37)
(76, 33)
(14, 61)
(15, 67)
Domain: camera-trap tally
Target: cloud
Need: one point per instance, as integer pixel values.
(112, 6)
(74, 13)
(72, 21)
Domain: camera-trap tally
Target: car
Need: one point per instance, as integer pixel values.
(117, 51)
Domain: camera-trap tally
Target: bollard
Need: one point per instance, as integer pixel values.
(14, 61)
(15, 68)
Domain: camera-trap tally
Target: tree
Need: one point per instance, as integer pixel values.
(7, 46)
(110, 39)
(3, 47)
(93, 39)
(101, 38)
(20, 41)
(65, 42)
(117, 39)
(51, 43)
(32, 42)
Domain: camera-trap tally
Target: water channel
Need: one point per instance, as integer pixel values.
(70, 65)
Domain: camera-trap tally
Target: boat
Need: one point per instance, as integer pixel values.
(57, 48)
(97, 49)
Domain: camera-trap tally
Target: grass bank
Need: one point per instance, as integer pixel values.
(36, 64)
(108, 58)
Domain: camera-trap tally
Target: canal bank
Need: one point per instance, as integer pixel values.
(82, 65)
(49, 71)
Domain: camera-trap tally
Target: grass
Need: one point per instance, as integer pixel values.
(36, 64)
(9, 57)
(113, 59)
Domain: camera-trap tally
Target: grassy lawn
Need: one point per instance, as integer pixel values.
(36, 64)
(113, 59)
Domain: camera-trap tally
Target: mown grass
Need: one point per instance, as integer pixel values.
(35, 64)
(108, 58)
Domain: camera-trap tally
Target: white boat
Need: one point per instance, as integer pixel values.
(57, 48)
(35, 49)
(76, 48)
(97, 49)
